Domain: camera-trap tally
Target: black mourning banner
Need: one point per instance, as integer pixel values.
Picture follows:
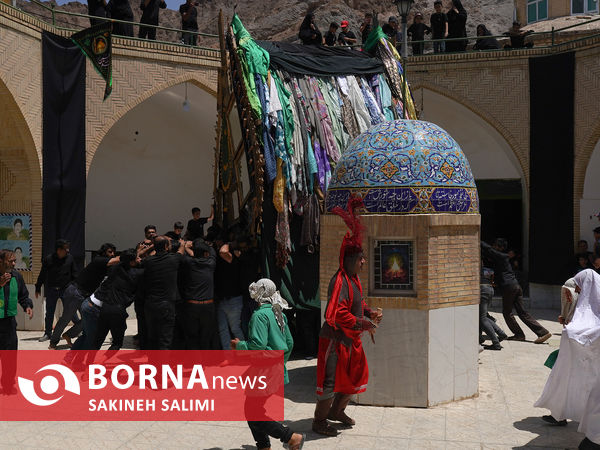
(63, 144)
(95, 42)
(551, 156)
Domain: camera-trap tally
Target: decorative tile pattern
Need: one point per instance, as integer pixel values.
(402, 167)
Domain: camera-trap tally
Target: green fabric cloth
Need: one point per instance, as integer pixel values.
(12, 299)
(298, 281)
(551, 359)
(257, 57)
(250, 85)
(265, 334)
(254, 60)
(373, 39)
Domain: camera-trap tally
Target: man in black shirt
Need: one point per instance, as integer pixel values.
(114, 295)
(439, 27)
(96, 8)
(189, 21)
(58, 270)
(512, 294)
(346, 37)
(229, 294)
(394, 35)
(120, 10)
(150, 10)
(160, 286)
(13, 292)
(417, 33)
(195, 226)
(144, 249)
(517, 37)
(197, 292)
(330, 36)
(366, 27)
(83, 286)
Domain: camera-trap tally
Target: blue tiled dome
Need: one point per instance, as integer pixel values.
(405, 167)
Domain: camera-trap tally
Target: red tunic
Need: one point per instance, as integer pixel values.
(340, 333)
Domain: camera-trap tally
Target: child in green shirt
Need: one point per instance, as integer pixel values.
(268, 330)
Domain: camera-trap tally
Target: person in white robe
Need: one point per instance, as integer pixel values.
(573, 387)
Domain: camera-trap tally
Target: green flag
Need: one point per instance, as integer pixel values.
(95, 43)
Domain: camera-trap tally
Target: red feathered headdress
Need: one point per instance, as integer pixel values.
(352, 242)
(351, 245)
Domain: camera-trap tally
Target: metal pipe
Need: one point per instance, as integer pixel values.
(404, 56)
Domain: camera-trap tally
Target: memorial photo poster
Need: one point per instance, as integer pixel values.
(15, 235)
(393, 266)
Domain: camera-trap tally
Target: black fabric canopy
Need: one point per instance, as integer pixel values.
(317, 60)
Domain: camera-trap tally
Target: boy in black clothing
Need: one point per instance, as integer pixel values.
(366, 27)
(417, 33)
(439, 27)
(330, 36)
(346, 37)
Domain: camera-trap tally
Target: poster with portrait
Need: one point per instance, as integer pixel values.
(393, 267)
(15, 235)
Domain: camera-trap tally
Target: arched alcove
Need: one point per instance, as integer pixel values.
(20, 182)
(152, 167)
(589, 204)
(500, 180)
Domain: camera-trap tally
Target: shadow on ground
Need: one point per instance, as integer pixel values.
(301, 388)
(549, 436)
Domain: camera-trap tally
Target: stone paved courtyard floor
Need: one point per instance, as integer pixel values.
(501, 417)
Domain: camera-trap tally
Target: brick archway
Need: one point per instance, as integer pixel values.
(487, 118)
(121, 110)
(582, 161)
(20, 171)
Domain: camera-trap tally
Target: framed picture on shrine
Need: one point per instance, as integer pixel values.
(392, 267)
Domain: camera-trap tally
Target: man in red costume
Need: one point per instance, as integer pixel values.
(342, 369)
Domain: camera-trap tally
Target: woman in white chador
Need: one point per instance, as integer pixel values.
(573, 387)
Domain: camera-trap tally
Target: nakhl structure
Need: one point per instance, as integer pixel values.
(286, 114)
(297, 122)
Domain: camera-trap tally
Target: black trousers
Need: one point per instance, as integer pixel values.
(512, 297)
(179, 330)
(200, 326)
(487, 325)
(140, 316)
(72, 300)
(418, 48)
(112, 318)
(8, 341)
(261, 430)
(147, 32)
(160, 322)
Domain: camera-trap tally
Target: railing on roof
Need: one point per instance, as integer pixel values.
(59, 19)
(541, 39)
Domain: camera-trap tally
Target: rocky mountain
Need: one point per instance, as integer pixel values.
(280, 19)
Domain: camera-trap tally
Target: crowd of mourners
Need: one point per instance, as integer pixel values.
(447, 29)
(173, 281)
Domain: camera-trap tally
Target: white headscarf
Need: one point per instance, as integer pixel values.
(265, 291)
(585, 326)
(568, 305)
